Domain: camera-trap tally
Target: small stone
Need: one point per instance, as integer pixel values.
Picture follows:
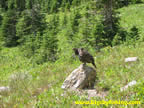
(128, 85)
(131, 59)
(4, 89)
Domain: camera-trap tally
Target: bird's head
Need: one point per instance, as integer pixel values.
(81, 49)
(76, 51)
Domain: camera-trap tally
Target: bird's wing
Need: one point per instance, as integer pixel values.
(88, 57)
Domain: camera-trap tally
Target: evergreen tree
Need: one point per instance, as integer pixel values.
(64, 20)
(54, 6)
(98, 36)
(1, 18)
(49, 46)
(133, 36)
(11, 4)
(73, 25)
(75, 2)
(30, 30)
(23, 27)
(31, 22)
(20, 5)
(9, 28)
(47, 6)
(29, 4)
(84, 33)
(4, 4)
(109, 21)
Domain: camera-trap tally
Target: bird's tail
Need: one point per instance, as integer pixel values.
(94, 64)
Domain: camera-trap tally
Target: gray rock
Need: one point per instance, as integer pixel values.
(131, 59)
(82, 77)
(128, 85)
(4, 89)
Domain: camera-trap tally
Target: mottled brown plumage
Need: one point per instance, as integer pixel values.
(84, 56)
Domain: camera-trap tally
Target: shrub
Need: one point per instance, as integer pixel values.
(133, 36)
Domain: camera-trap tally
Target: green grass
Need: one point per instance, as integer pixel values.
(39, 86)
(42, 86)
(133, 15)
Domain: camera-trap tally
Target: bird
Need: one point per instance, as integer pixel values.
(84, 56)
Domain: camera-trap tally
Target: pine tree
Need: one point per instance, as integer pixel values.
(50, 39)
(30, 30)
(11, 4)
(49, 46)
(31, 22)
(75, 2)
(109, 20)
(28, 47)
(98, 36)
(84, 33)
(20, 5)
(4, 4)
(133, 36)
(29, 4)
(1, 18)
(73, 25)
(9, 28)
(64, 20)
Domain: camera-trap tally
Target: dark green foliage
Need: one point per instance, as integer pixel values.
(50, 44)
(99, 39)
(24, 27)
(73, 25)
(116, 40)
(30, 30)
(11, 4)
(48, 47)
(9, 28)
(64, 21)
(75, 2)
(133, 36)
(75, 20)
(121, 3)
(31, 22)
(29, 4)
(48, 50)
(20, 4)
(136, 1)
(1, 18)
(51, 6)
(54, 6)
(4, 4)
(108, 25)
(28, 47)
(65, 5)
(43, 46)
(134, 33)
(120, 37)
(83, 37)
(70, 23)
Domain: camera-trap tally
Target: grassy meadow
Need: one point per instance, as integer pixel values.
(39, 86)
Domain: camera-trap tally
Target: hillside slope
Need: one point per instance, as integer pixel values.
(133, 15)
(35, 85)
